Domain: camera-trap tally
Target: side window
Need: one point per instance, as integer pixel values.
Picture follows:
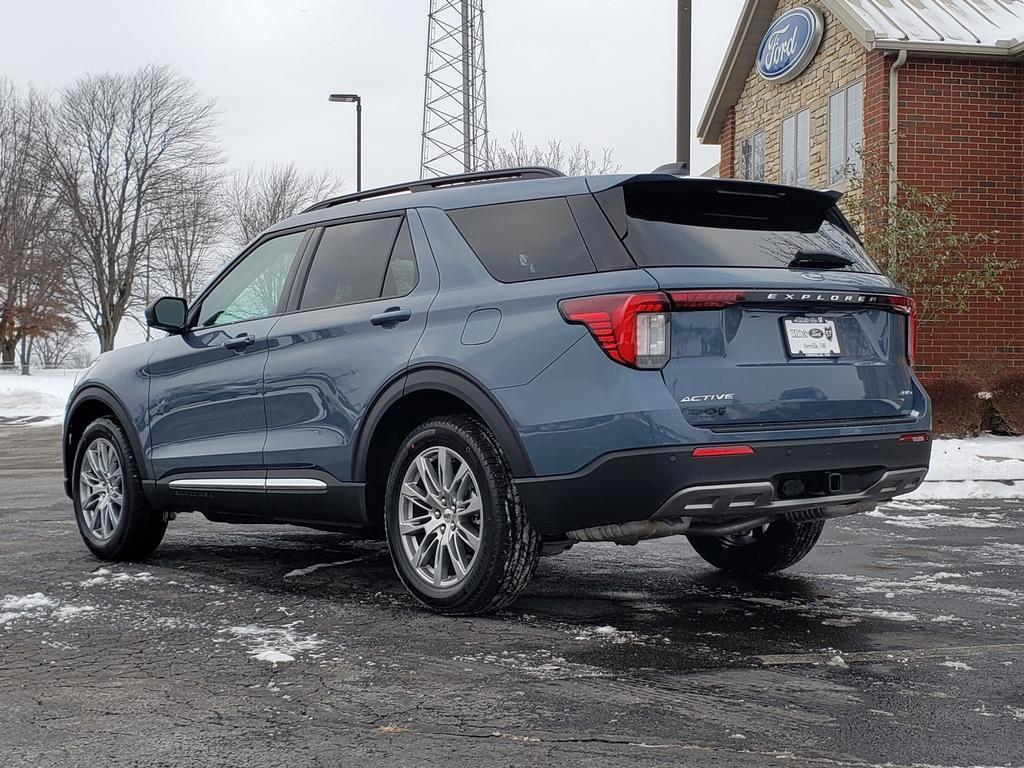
(253, 288)
(402, 274)
(525, 241)
(349, 263)
(796, 149)
(752, 157)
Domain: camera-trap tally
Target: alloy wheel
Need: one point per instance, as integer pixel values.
(101, 489)
(440, 517)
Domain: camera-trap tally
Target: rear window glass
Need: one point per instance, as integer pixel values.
(680, 224)
(349, 263)
(528, 240)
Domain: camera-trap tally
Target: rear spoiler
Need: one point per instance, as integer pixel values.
(720, 203)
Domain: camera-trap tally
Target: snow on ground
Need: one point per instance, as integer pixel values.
(986, 467)
(40, 397)
(274, 644)
(15, 608)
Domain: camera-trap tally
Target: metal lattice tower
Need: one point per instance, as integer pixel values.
(455, 94)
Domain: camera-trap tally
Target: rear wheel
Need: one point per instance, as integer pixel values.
(114, 518)
(764, 549)
(458, 534)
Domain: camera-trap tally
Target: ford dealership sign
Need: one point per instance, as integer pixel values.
(789, 44)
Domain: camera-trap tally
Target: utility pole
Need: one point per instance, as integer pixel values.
(683, 64)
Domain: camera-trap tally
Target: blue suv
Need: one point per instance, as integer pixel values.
(486, 368)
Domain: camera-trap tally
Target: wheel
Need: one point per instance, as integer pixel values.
(456, 528)
(761, 550)
(114, 518)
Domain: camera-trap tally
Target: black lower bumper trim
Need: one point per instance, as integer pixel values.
(637, 485)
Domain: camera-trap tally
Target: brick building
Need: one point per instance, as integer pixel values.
(935, 87)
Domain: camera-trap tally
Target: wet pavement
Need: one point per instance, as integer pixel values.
(898, 641)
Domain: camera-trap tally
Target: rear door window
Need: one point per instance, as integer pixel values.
(528, 240)
(350, 262)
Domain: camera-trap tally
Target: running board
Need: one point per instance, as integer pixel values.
(732, 500)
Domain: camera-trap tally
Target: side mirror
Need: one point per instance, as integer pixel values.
(167, 313)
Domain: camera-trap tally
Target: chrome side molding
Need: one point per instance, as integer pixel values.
(250, 484)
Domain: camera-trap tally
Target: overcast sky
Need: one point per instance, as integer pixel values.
(600, 72)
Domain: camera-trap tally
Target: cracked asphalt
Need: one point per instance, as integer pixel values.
(898, 641)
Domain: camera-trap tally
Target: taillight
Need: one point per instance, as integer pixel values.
(915, 437)
(705, 299)
(907, 306)
(634, 329)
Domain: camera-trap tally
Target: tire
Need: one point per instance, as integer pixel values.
(138, 529)
(508, 547)
(763, 550)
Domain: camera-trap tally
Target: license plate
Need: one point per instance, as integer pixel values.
(811, 337)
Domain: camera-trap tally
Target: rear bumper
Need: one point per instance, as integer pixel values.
(668, 483)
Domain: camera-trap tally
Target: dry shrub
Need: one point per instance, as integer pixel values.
(957, 411)
(1008, 402)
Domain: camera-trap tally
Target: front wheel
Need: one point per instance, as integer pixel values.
(456, 528)
(114, 518)
(764, 549)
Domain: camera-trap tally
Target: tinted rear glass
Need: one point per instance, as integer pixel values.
(529, 240)
(701, 224)
(349, 263)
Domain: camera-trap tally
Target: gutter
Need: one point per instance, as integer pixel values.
(894, 120)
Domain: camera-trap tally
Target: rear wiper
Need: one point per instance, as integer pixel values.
(820, 260)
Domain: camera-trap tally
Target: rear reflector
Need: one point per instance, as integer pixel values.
(722, 450)
(916, 437)
(705, 299)
(634, 329)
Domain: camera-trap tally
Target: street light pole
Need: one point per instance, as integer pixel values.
(352, 98)
(683, 65)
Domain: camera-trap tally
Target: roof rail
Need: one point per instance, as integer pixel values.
(425, 185)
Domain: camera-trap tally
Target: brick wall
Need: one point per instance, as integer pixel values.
(763, 105)
(727, 168)
(961, 130)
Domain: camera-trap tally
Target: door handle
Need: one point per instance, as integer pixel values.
(391, 317)
(241, 341)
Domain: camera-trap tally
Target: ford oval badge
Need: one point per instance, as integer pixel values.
(790, 44)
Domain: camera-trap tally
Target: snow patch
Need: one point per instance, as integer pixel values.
(959, 666)
(608, 632)
(42, 394)
(318, 566)
(937, 520)
(274, 657)
(107, 576)
(892, 615)
(38, 606)
(274, 644)
(838, 661)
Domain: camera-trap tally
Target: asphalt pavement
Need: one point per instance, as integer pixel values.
(897, 642)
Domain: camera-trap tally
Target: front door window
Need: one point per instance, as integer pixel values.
(255, 287)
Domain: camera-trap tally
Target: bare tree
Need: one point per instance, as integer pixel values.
(56, 349)
(33, 266)
(119, 145)
(258, 197)
(186, 254)
(576, 161)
